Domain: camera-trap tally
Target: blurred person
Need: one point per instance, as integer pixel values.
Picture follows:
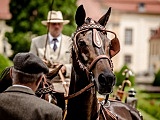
(19, 102)
(54, 48)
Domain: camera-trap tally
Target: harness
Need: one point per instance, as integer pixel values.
(97, 42)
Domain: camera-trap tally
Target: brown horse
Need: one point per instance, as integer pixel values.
(92, 72)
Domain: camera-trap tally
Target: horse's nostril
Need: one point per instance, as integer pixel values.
(102, 80)
(106, 80)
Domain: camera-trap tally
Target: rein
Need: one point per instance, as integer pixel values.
(79, 92)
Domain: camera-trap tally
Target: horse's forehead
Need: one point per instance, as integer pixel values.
(86, 35)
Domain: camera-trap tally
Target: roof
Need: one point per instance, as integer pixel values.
(4, 10)
(156, 36)
(94, 7)
(136, 6)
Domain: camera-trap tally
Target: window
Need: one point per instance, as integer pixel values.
(152, 32)
(141, 7)
(128, 36)
(127, 59)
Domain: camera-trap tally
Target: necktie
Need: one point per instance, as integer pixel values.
(55, 45)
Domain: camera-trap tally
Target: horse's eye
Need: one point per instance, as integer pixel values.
(81, 43)
(104, 32)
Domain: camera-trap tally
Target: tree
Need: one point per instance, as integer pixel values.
(27, 16)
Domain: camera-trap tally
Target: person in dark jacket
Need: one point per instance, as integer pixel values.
(19, 102)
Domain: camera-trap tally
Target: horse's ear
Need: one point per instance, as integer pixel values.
(80, 15)
(104, 19)
(115, 47)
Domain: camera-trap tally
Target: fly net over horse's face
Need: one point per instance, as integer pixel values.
(93, 51)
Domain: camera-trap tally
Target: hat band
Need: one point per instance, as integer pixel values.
(55, 19)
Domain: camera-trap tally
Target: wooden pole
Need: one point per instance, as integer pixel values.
(63, 82)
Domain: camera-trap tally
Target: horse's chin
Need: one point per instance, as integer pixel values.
(105, 91)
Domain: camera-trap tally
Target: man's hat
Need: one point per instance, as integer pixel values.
(29, 63)
(54, 17)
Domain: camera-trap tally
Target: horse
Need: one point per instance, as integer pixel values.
(92, 72)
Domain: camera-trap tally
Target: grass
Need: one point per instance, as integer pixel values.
(148, 103)
(146, 116)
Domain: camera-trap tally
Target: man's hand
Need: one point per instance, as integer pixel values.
(63, 70)
(47, 63)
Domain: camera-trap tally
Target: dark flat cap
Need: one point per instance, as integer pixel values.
(29, 63)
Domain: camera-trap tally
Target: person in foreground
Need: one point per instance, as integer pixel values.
(19, 102)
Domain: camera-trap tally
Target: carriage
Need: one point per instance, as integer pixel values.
(92, 72)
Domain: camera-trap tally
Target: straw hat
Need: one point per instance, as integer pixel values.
(54, 17)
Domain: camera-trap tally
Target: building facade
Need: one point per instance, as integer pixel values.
(154, 54)
(134, 22)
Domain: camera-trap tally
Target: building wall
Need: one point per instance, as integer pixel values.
(154, 58)
(142, 24)
(5, 47)
(3, 40)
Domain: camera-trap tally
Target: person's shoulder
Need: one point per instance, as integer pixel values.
(66, 36)
(39, 37)
(44, 107)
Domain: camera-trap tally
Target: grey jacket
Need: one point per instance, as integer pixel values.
(19, 103)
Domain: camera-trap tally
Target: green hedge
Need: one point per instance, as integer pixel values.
(150, 107)
(121, 77)
(4, 62)
(157, 79)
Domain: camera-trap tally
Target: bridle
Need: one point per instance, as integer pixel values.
(86, 27)
(47, 89)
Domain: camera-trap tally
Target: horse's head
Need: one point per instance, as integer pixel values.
(93, 50)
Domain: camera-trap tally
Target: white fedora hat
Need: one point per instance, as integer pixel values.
(54, 17)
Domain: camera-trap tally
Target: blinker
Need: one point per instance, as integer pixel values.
(96, 39)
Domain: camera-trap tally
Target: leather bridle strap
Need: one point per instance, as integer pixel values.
(98, 58)
(79, 92)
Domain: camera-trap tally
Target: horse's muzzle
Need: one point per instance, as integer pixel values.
(106, 82)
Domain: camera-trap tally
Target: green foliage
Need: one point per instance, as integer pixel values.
(157, 79)
(5, 62)
(27, 16)
(20, 43)
(121, 77)
(149, 103)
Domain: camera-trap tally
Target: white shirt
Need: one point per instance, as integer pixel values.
(52, 42)
(22, 86)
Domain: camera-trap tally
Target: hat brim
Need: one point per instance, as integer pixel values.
(44, 22)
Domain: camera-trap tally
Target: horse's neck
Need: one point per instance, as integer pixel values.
(83, 106)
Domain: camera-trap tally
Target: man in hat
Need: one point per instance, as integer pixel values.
(19, 102)
(54, 48)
